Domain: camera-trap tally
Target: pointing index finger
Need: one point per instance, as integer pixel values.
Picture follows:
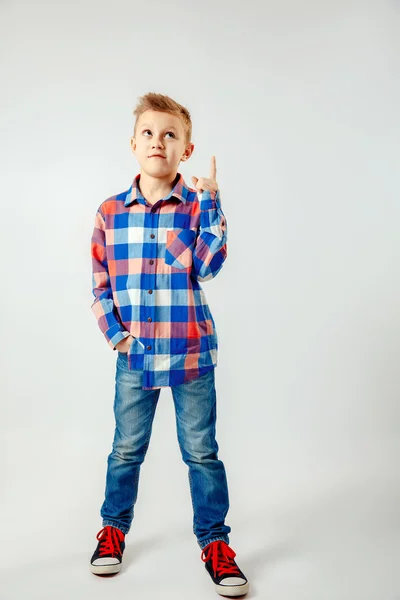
(213, 168)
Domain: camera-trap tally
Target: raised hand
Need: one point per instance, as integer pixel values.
(207, 183)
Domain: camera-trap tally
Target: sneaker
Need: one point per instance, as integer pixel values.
(107, 557)
(229, 580)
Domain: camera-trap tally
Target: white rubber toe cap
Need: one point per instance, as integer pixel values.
(233, 581)
(105, 561)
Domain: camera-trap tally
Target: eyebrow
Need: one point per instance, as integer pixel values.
(167, 127)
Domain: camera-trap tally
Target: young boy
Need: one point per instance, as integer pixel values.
(151, 247)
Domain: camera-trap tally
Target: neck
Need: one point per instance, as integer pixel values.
(155, 188)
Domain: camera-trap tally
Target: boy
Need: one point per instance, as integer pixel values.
(151, 247)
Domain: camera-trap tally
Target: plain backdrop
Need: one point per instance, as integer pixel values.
(299, 102)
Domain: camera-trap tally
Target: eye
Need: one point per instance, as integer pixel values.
(171, 132)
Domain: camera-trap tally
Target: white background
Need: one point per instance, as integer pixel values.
(299, 102)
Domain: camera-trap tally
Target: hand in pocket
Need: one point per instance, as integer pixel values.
(124, 345)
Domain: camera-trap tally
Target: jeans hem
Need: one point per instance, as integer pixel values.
(204, 543)
(124, 529)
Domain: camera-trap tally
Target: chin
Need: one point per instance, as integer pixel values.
(158, 167)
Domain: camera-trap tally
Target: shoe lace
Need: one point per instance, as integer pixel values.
(221, 556)
(110, 540)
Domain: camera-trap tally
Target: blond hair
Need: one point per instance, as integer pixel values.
(164, 103)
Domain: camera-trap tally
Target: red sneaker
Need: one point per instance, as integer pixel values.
(219, 561)
(107, 557)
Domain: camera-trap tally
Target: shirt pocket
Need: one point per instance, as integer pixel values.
(179, 247)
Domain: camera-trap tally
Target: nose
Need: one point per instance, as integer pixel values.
(157, 143)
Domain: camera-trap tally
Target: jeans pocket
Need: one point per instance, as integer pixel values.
(179, 247)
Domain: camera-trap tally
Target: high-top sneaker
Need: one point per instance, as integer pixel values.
(219, 561)
(107, 557)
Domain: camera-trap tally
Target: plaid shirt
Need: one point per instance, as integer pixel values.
(147, 265)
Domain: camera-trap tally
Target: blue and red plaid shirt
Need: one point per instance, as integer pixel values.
(147, 263)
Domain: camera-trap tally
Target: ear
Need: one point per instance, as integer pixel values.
(188, 152)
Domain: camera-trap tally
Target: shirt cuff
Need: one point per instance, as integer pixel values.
(116, 337)
(208, 200)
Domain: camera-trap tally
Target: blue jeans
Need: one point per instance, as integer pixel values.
(195, 410)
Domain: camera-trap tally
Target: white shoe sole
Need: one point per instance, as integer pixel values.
(232, 590)
(105, 569)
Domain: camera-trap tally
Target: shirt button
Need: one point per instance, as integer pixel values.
(151, 261)
(152, 235)
(150, 291)
(149, 319)
(148, 347)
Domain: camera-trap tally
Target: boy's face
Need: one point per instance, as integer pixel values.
(160, 133)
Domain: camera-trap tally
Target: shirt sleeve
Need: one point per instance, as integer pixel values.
(103, 305)
(210, 249)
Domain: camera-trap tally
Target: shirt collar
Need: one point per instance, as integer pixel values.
(180, 191)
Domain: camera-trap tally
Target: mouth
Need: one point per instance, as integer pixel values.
(156, 156)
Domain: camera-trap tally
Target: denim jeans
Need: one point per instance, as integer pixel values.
(195, 411)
